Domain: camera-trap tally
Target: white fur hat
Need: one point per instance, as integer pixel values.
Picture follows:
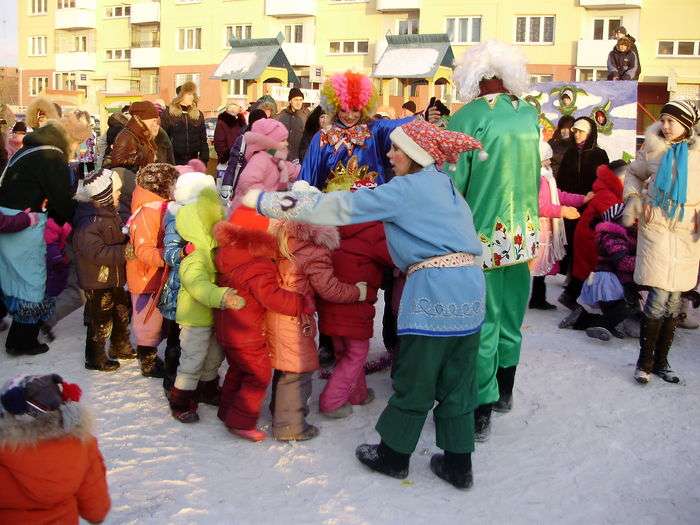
(190, 185)
(545, 151)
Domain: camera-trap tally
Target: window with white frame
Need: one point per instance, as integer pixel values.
(605, 28)
(80, 44)
(588, 74)
(294, 33)
(348, 47)
(38, 7)
(37, 85)
(189, 38)
(237, 87)
(117, 54)
(678, 48)
(181, 78)
(118, 11)
(408, 27)
(536, 79)
(239, 32)
(464, 30)
(38, 46)
(65, 81)
(65, 4)
(534, 29)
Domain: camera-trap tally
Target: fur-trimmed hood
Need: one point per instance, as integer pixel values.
(257, 243)
(176, 110)
(655, 144)
(71, 420)
(323, 236)
(45, 106)
(607, 180)
(51, 134)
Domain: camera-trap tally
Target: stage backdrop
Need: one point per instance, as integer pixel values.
(612, 105)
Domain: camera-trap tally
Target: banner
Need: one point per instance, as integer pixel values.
(611, 104)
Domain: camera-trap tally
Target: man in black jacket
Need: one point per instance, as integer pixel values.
(294, 119)
(184, 124)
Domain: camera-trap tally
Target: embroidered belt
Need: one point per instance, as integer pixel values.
(451, 260)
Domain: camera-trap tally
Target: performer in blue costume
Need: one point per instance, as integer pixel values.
(349, 99)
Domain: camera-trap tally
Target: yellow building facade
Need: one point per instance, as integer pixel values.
(143, 47)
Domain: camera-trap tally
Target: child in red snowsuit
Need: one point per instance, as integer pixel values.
(244, 261)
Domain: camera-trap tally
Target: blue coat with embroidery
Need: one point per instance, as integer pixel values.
(369, 142)
(424, 216)
(172, 244)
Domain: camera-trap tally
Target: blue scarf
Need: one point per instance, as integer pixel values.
(670, 193)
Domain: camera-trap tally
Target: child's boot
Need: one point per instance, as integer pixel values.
(650, 330)
(456, 469)
(383, 459)
(151, 364)
(663, 345)
(482, 422)
(506, 380)
(208, 392)
(253, 434)
(183, 406)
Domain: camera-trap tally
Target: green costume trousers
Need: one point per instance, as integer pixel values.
(507, 293)
(430, 369)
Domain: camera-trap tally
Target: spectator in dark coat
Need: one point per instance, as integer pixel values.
(294, 119)
(316, 121)
(134, 147)
(560, 141)
(184, 124)
(619, 33)
(576, 175)
(229, 126)
(622, 61)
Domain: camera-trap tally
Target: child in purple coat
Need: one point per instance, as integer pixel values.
(612, 282)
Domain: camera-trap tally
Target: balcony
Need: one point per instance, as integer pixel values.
(300, 54)
(145, 13)
(80, 61)
(607, 4)
(145, 57)
(593, 53)
(398, 5)
(285, 8)
(80, 17)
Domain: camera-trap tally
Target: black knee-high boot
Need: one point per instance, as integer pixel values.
(22, 339)
(538, 299)
(650, 330)
(482, 422)
(454, 468)
(99, 306)
(506, 380)
(663, 346)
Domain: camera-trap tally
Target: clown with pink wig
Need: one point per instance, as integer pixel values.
(349, 99)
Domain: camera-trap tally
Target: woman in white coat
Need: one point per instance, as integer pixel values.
(668, 248)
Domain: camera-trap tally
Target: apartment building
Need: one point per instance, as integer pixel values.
(147, 48)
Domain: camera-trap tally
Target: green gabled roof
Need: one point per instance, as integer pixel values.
(249, 58)
(414, 56)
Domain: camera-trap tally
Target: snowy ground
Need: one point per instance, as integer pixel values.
(584, 444)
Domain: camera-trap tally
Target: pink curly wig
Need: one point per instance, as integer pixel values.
(348, 92)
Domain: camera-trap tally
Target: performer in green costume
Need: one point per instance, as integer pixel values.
(503, 195)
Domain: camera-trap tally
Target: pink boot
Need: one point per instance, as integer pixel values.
(252, 434)
(347, 383)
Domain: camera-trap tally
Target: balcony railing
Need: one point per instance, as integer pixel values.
(288, 8)
(145, 57)
(76, 61)
(140, 43)
(593, 53)
(145, 13)
(398, 5)
(608, 4)
(75, 18)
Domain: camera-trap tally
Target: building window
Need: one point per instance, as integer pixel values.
(237, 88)
(65, 4)
(39, 7)
(38, 46)
(465, 30)
(678, 48)
(294, 33)
(80, 44)
(189, 38)
(605, 28)
(143, 35)
(239, 32)
(118, 11)
(348, 47)
(66, 81)
(534, 29)
(589, 75)
(408, 27)
(117, 54)
(536, 79)
(37, 85)
(181, 78)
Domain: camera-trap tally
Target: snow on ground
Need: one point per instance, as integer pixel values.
(584, 444)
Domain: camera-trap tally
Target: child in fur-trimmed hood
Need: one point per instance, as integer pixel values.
(51, 468)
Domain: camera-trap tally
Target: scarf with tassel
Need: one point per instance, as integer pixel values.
(670, 192)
